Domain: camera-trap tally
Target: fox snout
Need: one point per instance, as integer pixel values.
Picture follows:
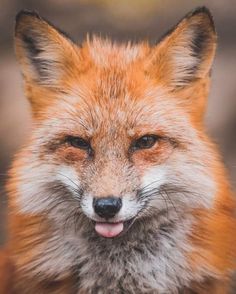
(111, 212)
(107, 207)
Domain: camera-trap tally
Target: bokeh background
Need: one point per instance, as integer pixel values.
(122, 20)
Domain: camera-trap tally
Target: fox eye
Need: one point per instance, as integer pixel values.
(145, 142)
(78, 142)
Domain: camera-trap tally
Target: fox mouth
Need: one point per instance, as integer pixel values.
(112, 230)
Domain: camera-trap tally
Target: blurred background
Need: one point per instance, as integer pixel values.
(122, 20)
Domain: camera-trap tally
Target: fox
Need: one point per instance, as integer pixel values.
(118, 187)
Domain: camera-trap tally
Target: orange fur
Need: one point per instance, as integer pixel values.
(122, 71)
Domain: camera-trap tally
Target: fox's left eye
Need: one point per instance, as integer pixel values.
(145, 142)
(78, 142)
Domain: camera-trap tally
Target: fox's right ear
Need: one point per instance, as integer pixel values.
(44, 53)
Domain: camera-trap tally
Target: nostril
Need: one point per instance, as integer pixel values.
(107, 207)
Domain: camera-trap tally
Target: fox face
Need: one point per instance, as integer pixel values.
(118, 134)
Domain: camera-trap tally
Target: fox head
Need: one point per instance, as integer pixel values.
(118, 133)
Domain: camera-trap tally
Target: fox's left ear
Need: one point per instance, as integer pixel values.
(44, 53)
(186, 53)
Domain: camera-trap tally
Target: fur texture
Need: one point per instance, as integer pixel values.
(178, 208)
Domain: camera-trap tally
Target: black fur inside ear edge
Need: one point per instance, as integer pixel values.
(200, 43)
(26, 34)
(31, 13)
(196, 11)
(202, 10)
(32, 40)
(24, 13)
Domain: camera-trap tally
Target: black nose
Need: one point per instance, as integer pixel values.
(107, 207)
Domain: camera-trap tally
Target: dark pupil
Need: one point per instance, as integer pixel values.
(145, 142)
(78, 142)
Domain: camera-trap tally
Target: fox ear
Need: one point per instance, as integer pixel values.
(186, 53)
(43, 52)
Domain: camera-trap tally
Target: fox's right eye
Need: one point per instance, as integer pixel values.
(78, 142)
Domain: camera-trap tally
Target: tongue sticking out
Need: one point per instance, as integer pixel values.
(109, 230)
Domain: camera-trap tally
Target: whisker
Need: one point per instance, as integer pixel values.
(164, 192)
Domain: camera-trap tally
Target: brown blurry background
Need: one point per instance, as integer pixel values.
(122, 20)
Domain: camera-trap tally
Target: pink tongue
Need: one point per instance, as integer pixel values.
(109, 230)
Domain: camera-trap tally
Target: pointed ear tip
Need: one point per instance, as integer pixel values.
(24, 14)
(202, 10)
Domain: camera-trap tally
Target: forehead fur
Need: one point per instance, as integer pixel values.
(112, 70)
(105, 53)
